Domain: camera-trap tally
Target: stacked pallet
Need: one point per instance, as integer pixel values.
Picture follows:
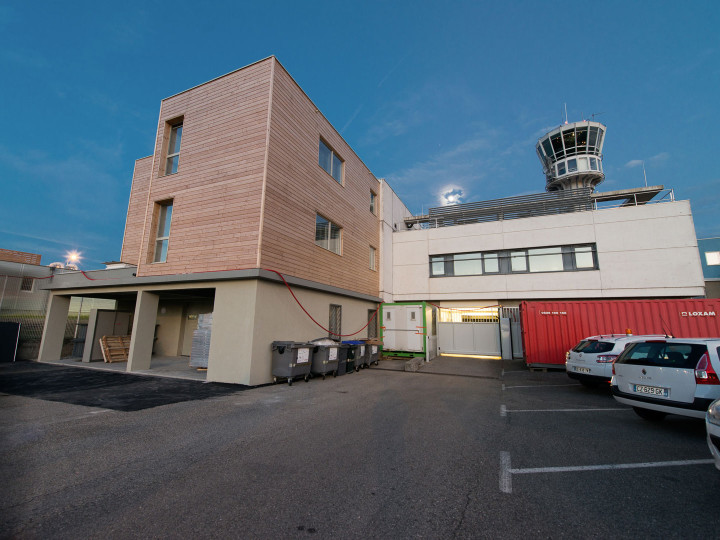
(115, 348)
(201, 342)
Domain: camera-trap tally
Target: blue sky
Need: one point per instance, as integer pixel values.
(433, 96)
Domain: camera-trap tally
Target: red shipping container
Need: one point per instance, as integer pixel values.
(550, 329)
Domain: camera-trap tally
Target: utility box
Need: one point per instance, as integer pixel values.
(550, 329)
(409, 329)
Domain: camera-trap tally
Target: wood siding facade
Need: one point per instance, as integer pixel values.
(248, 186)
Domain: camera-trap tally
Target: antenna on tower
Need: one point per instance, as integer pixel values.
(566, 116)
(593, 115)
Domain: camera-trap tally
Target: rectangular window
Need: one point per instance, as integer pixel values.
(490, 263)
(373, 200)
(335, 325)
(572, 165)
(467, 264)
(163, 231)
(328, 235)
(373, 255)
(173, 150)
(27, 284)
(330, 161)
(561, 168)
(518, 261)
(546, 259)
(372, 323)
(712, 258)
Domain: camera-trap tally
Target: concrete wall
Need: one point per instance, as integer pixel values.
(392, 211)
(643, 251)
(250, 315)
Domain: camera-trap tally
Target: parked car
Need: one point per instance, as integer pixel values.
(712, 423)
(590, 361)
(668, 376)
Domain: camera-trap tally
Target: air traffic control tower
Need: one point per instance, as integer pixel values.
(571, 155)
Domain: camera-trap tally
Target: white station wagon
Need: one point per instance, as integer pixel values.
(668, 376)
(590, 361)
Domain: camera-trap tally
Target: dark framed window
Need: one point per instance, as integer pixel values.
(330, 161)
(373, 203)
(27, 284)
(173, 150)
(335, 323)
(372, 329)
(162, 236)
(516, 261)
(328, 235)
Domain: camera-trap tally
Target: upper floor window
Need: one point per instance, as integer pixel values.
(173, 150)
(546, 259)
(328, 235)
(330, 161)
(373, 203)
(26, 284)
(712, 258)
(373, 258)
(163, 231)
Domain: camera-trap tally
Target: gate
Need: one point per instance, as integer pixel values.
(469, 331)
(513, 313)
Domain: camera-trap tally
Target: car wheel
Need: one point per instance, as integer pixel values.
(649, 414)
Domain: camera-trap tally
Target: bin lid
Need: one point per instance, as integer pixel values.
(354, 342)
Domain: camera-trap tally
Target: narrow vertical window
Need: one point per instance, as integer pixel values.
(373, 201)
(173, 150)
(372, 324)
(335, 325)
(373, 253)
(163, 231)
(27, 284)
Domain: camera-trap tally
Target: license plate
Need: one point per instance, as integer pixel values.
(582, 369)
(651, 390)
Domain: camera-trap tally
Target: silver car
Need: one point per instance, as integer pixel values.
(668, 376)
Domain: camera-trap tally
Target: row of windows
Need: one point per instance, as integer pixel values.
(335, 322)
(578, 164)
(516, 261)
(328, 235)
(569, 142)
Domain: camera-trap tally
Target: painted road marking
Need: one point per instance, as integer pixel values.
(541, 385)
(565, 410)
(506, 471)
(503, 410)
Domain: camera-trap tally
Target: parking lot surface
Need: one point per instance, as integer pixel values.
(377, 453)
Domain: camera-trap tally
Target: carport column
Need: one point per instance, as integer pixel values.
(54, 330)
(143, 332)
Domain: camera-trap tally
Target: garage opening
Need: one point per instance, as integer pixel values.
(473, 331)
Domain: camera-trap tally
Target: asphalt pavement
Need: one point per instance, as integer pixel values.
(377, 453)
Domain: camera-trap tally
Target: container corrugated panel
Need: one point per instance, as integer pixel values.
(550, 329)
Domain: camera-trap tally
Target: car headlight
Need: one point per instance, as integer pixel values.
(713, 413)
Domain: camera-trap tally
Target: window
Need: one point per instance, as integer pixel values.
(561, 168)
(372, 323)
(327, 235)
(173, 150)
(373, 254)
(572, 165)
(373, 200)
(712, 258)
(533, 260)
(335, 325)
(330, 161)
(27, 284)
(163, 231)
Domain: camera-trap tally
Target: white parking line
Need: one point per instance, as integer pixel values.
(541, 385)
(566, 410)
(503, 410)
(506, 471)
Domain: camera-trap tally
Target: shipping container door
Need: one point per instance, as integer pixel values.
(388, 323)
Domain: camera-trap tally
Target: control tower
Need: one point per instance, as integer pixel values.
(571, 155)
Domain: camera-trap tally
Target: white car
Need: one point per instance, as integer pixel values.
(712, 423)
(668, 376)
(590, 361)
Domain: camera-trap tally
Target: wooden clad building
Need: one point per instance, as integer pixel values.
(247, 178)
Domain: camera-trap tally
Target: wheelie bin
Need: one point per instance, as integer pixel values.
(355, 355)
(291, 359)
(325, 357)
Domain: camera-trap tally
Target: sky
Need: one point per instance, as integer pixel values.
(439, 98)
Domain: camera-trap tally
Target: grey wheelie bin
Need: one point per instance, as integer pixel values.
(326, 354)
(291, 359)
(372, 351)
(355, 355)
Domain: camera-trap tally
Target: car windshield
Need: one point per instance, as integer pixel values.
(677, 355)
(595, 347)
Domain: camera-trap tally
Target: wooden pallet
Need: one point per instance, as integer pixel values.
(115, 348)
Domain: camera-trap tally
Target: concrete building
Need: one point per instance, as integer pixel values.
(250, 188)
(710, 258)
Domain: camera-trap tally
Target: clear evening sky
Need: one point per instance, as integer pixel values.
(436, 97)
